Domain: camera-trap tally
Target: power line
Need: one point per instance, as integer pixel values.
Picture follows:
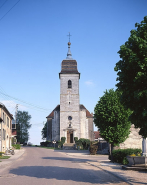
(11, 104)
(35, 106)
(9, 10)
(3, 4)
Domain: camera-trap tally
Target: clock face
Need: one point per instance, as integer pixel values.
(69, 118)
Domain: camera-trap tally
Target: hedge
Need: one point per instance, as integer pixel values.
(120, 155)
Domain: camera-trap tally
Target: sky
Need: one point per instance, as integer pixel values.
(33, 43)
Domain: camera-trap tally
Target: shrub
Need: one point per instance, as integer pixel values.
(63, 139)
(17, 146)
(1, 153)
(93, 149)
(60, 143)
(75, 139)
(46, 143)
(120, 155)
(84, 143)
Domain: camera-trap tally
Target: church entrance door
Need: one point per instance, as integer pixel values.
(69, 136)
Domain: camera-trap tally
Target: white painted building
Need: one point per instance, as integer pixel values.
(70, 119)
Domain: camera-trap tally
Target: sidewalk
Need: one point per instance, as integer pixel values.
(6, 162)
(128, 176)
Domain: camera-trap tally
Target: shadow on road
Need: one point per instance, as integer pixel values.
(67, 159)
(64, 173)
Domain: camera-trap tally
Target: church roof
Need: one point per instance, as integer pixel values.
(97, 134)
(6, 110)
(69, 65)
(57, 108)
(51, 115)
(88, 114)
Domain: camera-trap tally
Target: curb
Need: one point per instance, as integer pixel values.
(137, 168)
(112, 173)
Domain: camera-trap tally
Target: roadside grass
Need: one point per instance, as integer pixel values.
(4, 157)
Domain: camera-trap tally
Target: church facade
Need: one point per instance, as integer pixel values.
(69, 119)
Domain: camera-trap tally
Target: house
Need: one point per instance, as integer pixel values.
(5, 128)
(69, 119)
(97, 136)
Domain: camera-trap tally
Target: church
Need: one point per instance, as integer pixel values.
(69, 119)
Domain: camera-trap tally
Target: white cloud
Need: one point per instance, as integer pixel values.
(89, 83)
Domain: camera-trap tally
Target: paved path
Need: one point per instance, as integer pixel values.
(102, 162)
(38, 166)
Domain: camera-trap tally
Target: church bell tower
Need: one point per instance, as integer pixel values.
(69, 98)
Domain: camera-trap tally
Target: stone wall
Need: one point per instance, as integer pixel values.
(69, 104)
(64, 83)
(90, 129)
(83, 128)
(49, 129)
(56, 126)
(134, 140)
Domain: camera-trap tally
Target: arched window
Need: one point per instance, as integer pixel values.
(69, 84)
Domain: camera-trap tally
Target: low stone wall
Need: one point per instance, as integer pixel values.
(134, 140)
(137, 160)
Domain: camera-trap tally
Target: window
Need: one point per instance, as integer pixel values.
(69, 84)
(3, 134)
(3, 118)
(69, 118)
(7, 122)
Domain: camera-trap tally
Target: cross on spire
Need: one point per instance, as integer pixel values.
(69, 36)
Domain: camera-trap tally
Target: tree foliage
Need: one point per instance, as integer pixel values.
(23, 124)
(44, 131)
(132, 75)
(111, 118)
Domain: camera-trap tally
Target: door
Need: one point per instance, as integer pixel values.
(69, 136)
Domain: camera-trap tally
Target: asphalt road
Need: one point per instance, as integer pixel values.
(40, 166)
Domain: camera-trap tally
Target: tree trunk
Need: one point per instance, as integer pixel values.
(111, 146)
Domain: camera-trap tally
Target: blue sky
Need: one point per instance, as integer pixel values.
(33, 43)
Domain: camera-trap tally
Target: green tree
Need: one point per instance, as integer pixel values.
(44, 132)
(23, 124)
(111, 118)
(132, 75)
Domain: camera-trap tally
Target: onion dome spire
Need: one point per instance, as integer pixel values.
(69, 65)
